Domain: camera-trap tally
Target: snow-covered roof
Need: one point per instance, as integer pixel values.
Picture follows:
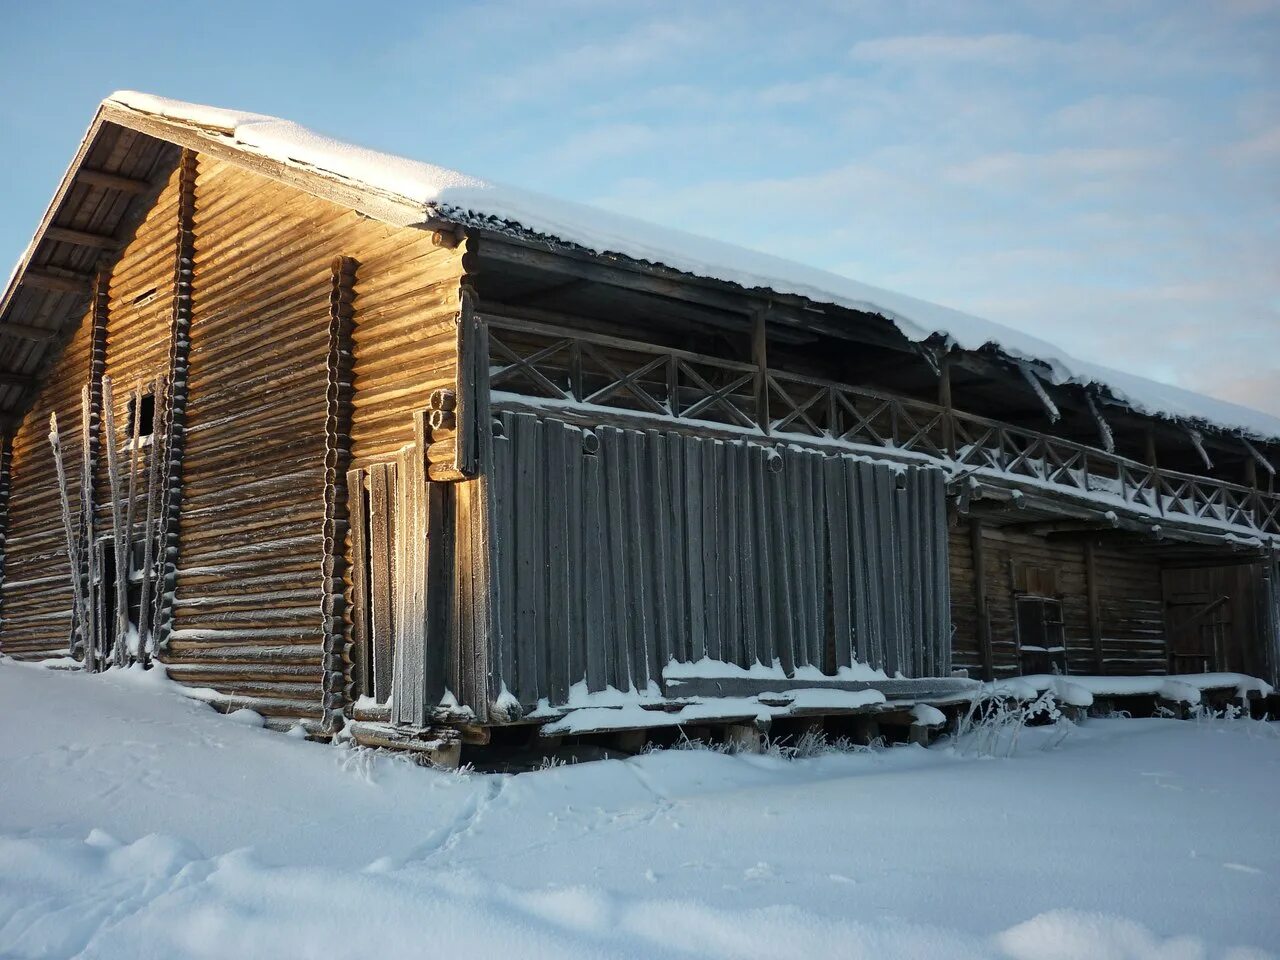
(445, 194)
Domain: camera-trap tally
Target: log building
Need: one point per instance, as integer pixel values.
(362, 444)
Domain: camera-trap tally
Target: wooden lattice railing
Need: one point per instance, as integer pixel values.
(576, 367)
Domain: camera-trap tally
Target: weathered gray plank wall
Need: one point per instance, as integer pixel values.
(617, 550)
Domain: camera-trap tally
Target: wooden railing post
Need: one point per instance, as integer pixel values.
(760, 357)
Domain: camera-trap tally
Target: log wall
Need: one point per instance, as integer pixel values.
(249, 607)
(37, 588)
(1130, 604)
(249, 612)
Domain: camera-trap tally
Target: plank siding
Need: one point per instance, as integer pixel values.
(725, 558)
(1129, 594)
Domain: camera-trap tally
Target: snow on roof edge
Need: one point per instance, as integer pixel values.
(456, 196)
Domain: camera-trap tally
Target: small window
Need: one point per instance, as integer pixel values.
(1041, 637)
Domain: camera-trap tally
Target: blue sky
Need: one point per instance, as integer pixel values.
(1106, 175)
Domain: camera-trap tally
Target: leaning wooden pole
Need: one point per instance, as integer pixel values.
(119, 535)
(135, 441)
(149, 533)
(91, 660)
(79, 608)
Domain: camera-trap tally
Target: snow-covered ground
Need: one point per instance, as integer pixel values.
(137, 823)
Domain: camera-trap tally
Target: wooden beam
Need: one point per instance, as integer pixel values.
(112, 181)
(23, 331)
(760, 357)
(945, 401)
(10, 379)
(80, 238)
(62, 283)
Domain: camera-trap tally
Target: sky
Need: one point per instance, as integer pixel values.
(1105, 175)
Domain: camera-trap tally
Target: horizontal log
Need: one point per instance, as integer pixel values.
(442, 421)
(443, 399)
(442, 451)
(444, 473)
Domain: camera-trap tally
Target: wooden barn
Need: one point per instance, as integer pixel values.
(370, 446)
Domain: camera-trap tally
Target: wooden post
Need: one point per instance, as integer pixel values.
(980, 600)
(945, 401)
(760, 357)
(1095, 608)
(135, 442)
(337, 462)
(176, 406)
(1149, 451)
(465, 395)
(88, 423)
(119, 536)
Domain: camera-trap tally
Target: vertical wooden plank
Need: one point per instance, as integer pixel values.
(596, 635)
(574, 500)
(694, 535)
(780, 583)
(836, 498)
(639, 530)
(659, 519)
(357, 611)
(755, 646)
(677, 569)
(438, 584)
(408, 704)
(465, 410)
(620, 589)
(767, 646)
(733, 649)
(461, 610)
(915, 591)
(709, 467)
(382, 573)
(942, 612)
(980, 598)
(818, 532)
(555, 503)
(528, 516)
(888, 580)
(486, 682)
(506, 546)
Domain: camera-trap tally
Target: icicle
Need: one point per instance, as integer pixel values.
(1033, 378)
(1257, 455)
(1104, 428)
(1197, 441)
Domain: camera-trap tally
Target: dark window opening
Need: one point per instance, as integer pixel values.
(1041, 636)
(146, 410)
